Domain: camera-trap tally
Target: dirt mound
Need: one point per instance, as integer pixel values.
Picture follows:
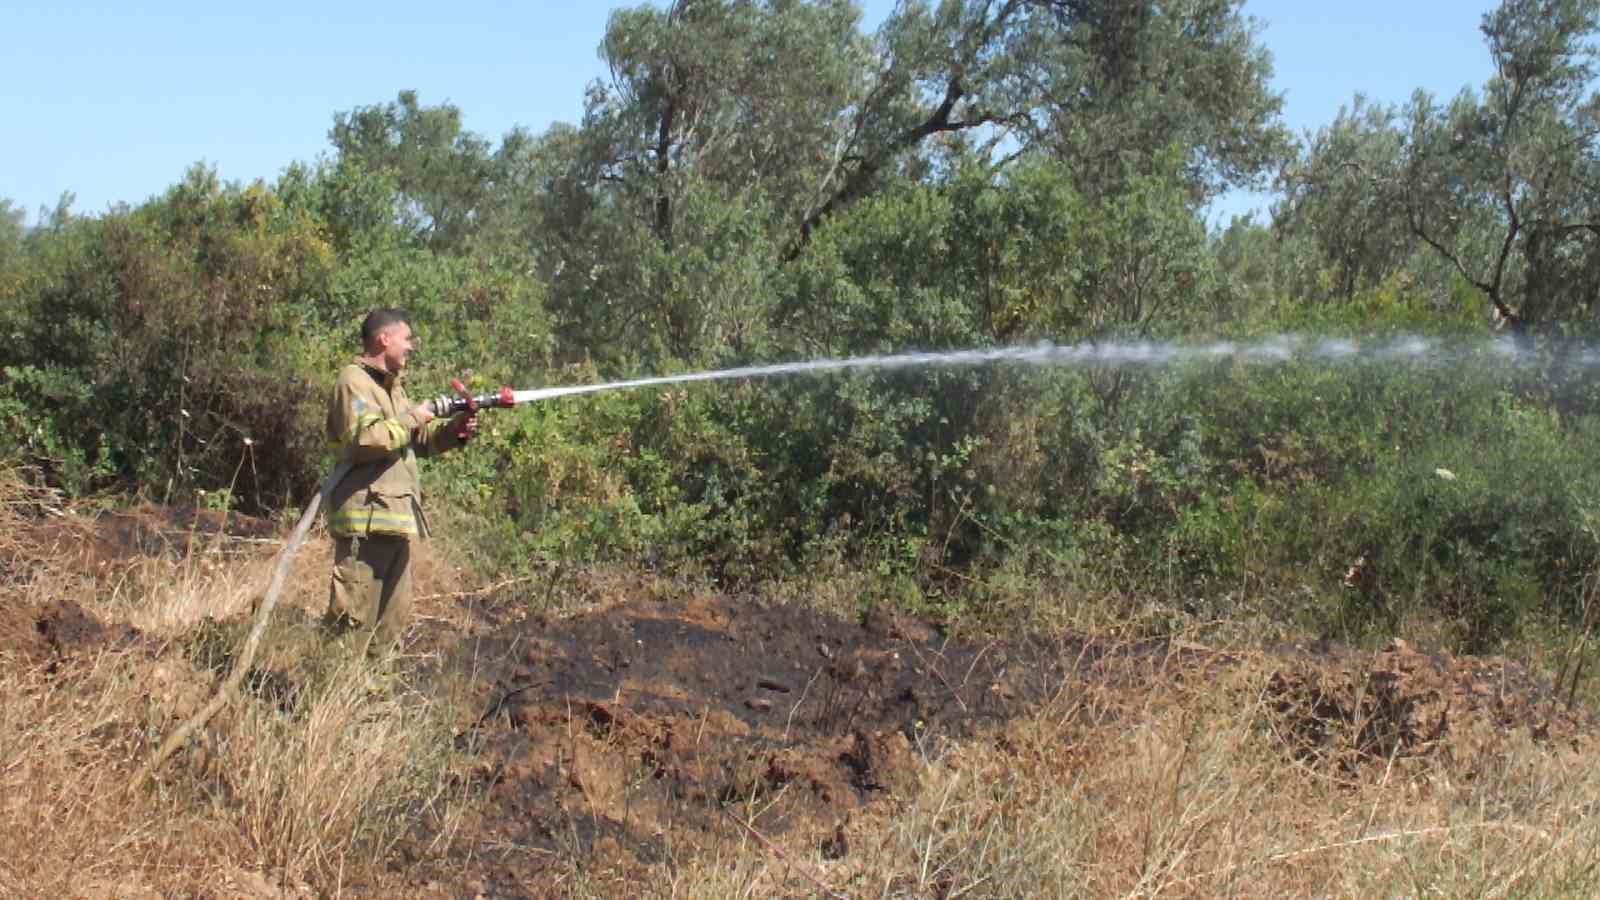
(48, 633)
(95, 543)
(19, 634)
(1355, 711)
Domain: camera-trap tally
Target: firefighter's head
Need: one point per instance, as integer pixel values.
(386, 337)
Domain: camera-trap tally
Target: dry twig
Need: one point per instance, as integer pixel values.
(777, 851)
(477, 592)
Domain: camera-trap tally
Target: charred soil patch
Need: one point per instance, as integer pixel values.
(656, 731)
(99, 543)
(55, 630)
(650, 729)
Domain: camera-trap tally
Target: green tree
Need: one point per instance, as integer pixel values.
(738, 93)
(978, 256)
(161, 338)
(449, 183)
(1103, 84)
(1502, 184)
(1143, 261)
(12, 232)
(659, 212)
(1254, 267)
(782, 114)
(1132, 77)
(1338, 200)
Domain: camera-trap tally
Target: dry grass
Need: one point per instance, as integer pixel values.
(297, 789)
(1126, 784)
(313, 795)
(63, 819)
(348, 774)
(1185, 791)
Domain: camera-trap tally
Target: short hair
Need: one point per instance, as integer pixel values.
(379, 319)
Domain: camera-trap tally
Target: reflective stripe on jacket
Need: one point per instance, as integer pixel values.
(371, 426)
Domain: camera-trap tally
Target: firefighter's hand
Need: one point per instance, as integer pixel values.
(466, 426)
(422, 413)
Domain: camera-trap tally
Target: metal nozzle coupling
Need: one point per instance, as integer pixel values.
(446, 405)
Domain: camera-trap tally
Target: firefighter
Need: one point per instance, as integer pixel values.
(375, 511)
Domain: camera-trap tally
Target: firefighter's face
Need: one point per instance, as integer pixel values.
(398, 343)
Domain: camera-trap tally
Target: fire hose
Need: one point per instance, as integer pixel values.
(443, 405)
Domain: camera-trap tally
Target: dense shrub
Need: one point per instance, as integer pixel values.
(187, 345)
(170, 345)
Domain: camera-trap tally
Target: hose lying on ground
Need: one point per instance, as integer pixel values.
(241, 664)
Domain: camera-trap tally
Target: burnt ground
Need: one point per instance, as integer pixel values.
(101, 543)
(607, 728)
(650, 728)
(102, 546)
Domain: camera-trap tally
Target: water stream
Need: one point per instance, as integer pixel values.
(1146, 354)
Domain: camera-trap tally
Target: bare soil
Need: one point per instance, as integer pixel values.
(95, 543)
(650, 728)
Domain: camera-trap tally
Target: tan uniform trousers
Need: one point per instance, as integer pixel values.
(370, 597)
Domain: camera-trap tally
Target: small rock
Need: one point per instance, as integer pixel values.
(759, 704)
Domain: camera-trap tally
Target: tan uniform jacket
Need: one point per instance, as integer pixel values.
(371, 426)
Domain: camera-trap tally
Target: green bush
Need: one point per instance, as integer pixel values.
(183, 350)
(33, 432)
(1396, 493)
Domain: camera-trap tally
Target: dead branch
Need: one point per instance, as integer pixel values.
(477, 592)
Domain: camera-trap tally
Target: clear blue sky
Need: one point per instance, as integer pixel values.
(113, 104)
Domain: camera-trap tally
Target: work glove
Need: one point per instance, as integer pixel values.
(465, 426)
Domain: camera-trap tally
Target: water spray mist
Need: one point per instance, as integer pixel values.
(1114, 354)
